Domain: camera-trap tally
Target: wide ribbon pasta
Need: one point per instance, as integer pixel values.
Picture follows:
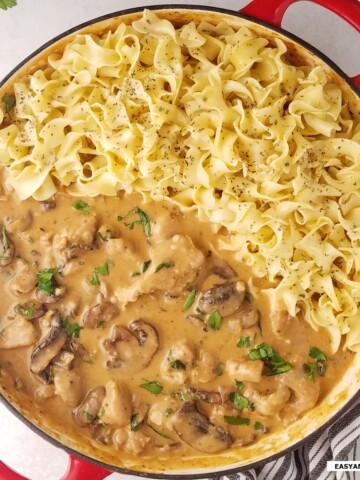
(213, 119)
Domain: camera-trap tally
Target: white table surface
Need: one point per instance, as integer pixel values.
(34, 22)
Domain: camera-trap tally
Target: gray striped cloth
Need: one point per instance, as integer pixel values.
(340, 442)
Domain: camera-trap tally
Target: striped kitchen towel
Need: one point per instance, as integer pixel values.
(339, 442)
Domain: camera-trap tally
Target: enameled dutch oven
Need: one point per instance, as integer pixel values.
(90, 463)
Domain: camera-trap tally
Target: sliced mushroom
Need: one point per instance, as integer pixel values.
(207, 397)
(88, 410)
(74, 250)
(50, 346)
(79, 350)
(102, 312)
(48, 298)
(31, 310)
(7, 250)
(47, 205)
(226, 299)
(224, 271)
(132, 348)
(196, 430)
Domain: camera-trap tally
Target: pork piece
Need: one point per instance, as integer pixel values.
(78, 236)
(175, 264)
(18, 333)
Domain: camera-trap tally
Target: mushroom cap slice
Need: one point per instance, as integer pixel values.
(89, 409)
(53, 297)
(207, 397)
(49, 347)
(132, 349)
(226, 298)
(102, 312)
(7, 250)
(196, 430)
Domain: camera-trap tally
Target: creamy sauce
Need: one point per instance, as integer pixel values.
(184, 360)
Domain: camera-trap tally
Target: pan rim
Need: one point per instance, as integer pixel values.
(224, 470)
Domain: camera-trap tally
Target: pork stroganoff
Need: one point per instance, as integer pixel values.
(179, 245)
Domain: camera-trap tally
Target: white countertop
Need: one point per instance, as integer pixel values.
(34, 22)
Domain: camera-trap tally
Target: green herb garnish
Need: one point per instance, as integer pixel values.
(134, 423)
(25, 310)
(82, 206)
(215, 320)
(167, 412)
(310, 369)
(259, 427)
(178, 365)
(72, 329)
(145, 266)
(317, 354)
(89, 416)
(5, 4)
(219, 370)
(99, 323)
(9, 100)
(46, 279)
(319, 365)
(152, 387)
(159, 433)
(103, 270)
(244, 342)
(241, 402)
(272, 360)
(236, 420)
(190, 299)
(164, 265)
(144, 220)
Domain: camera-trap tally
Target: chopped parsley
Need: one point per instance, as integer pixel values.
(215, 320)
(144, 220)
(190, 299)
(72, 329)
(99, 323)
(82, 206)
(275, 365)
(317, 366)
(9, 100)
(46, 279)
(167, 412)
(25, 310)
(231, 420)
(219, 369)
(89, 416)
(152, 387)
(259, 427)
(144, 267)
(4, 5)
(103, 270)
(134, 423)
(159, 433)
(244, 342)
(239, 401)
(164, 265)
(178, 365)
(310, 369)
(317, 354)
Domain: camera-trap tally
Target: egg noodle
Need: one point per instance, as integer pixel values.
(215, 119)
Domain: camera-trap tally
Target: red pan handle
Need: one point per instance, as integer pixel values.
(77, 470)
(272, 11)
